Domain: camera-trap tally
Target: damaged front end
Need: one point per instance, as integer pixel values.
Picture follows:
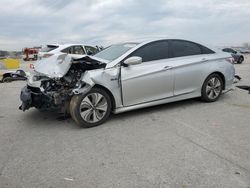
(56, 80)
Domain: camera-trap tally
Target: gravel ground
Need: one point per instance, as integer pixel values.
(183, 144)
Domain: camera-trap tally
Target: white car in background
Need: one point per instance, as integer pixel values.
(74, 50)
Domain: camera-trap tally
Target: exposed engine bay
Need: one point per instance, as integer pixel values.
(47, 92)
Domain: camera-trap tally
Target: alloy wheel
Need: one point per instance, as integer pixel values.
(93, 107)
(213, 88)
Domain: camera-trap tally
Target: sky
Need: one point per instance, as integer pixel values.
(27, 23)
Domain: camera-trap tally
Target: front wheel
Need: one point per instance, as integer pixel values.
(212, 88)
(91, 109)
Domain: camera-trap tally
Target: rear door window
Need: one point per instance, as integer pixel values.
(78, 50)
(181, 48)
(68, 50)
(91, 50)
(74, 50)
(152, 51)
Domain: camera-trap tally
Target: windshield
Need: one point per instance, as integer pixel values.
(49, 48)
(113, 52)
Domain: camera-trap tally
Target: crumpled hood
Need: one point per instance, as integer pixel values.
(57, 66)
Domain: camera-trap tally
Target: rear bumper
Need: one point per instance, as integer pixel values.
(229, 76)
(229, 84)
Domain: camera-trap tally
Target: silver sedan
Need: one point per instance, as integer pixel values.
(135, 75)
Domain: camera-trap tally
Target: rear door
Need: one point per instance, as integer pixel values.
(152, 79)
(190, 61)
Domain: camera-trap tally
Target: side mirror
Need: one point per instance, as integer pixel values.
(132, 61)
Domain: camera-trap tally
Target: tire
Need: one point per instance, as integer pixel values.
(241, 59)
(212, 88)
(91, 109)
(7, 79)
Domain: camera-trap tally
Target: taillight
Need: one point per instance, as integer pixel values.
(47, 55)
(230, 60)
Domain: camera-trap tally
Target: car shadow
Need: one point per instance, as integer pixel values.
(47, 119)
(54, 119)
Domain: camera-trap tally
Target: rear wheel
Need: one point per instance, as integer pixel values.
(91, 109)
(212, 88)
(241, 59)
(7, 79)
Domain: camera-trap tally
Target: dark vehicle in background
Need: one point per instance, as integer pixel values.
(244, 50)
(238, 57)
(13, 76)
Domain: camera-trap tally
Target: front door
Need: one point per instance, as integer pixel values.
(151, 80)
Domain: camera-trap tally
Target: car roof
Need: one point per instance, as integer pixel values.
(64, 46)
(146, 41)
(70, 44)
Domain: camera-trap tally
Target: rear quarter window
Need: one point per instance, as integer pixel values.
(206, 50)
(49, 48)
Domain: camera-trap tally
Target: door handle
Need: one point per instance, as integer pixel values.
(204, 60)
(167, 68)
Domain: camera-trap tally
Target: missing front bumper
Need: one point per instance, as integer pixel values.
(26, 99)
